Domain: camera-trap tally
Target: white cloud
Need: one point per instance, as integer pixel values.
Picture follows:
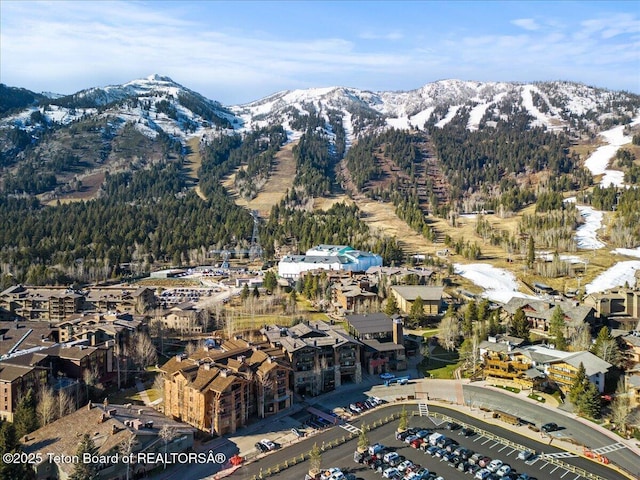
(526, 23)
(391, 36)
(68, 46)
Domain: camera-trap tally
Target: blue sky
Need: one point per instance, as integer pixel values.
(239, 51)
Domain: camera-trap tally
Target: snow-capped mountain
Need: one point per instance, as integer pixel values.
(554, 105)
(157, 103)
(153, 104)
(128, 126)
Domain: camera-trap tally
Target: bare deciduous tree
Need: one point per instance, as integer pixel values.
(46, 408)
(144, 351)
(620, 407)
(167, 433)
(65, 403)
(449, 332)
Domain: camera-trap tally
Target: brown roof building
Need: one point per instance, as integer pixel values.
(219, 388)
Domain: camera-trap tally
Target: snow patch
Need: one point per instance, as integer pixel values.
(629, 252)
(598, 161)
(617, 276)
(499, 285)
(449, 116)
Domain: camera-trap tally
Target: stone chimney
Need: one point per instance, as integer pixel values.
(398, 337)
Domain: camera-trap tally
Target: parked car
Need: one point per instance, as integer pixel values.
(387, 376)
(297, 433)
(391, 473)
(397, 460)
(261, 448)
(404, 465)
(431, 450)
(494, 465)
(484, 461)
(466, 431)
(550, 427)
(482, 474)
(525, 455)
(423, 433)
(504, 470)
(452, 426)
(390, 456)
(268, 443)
(375, 448)
(417, 442)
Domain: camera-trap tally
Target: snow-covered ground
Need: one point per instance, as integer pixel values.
(449, 116)
(586, 234)
(617, 276)
(598, 161)
(499, 285)
(629, 252)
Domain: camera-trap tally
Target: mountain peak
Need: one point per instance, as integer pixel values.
(155, 77)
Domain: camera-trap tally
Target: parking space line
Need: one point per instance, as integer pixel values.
(577, 477)
(486, 441)
(557, 467)
(565, 472)
(506, 446)
(544, 464)
(512, 450)
(497, 443)
(478, 438)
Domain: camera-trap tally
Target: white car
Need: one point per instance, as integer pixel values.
(495, 465)
(482, 474)
(355, 408)
(404, 465)
(327, 474)
(504, 470)
(525, 455)
(390, 473)
(268, 443)
(390, 456)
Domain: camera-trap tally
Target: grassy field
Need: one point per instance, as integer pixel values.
(280, 180)
(441, 363)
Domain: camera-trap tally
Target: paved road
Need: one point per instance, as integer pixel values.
(583, 434)
(342, 456)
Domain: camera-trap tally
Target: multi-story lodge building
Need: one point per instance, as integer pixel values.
(219, 388)
(54, 305)
(322, 356)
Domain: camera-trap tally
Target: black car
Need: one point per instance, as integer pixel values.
(467, 432)
(452, 426)
(261, 447)
(549, 427)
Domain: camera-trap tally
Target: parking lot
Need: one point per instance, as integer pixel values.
(543, 466)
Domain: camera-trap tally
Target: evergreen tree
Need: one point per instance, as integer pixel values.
(531, 252)
(25, 417)
(579, 385)
(470, 317)
(244, 294)
(270, 282)
(9, 443)
(416, 314)
(256, 292)
(557, 327)
(484, 310)
(589, 403)
(85, 470)
(391, 306)
(519, 326)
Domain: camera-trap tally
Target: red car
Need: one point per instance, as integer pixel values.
(417, 442)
